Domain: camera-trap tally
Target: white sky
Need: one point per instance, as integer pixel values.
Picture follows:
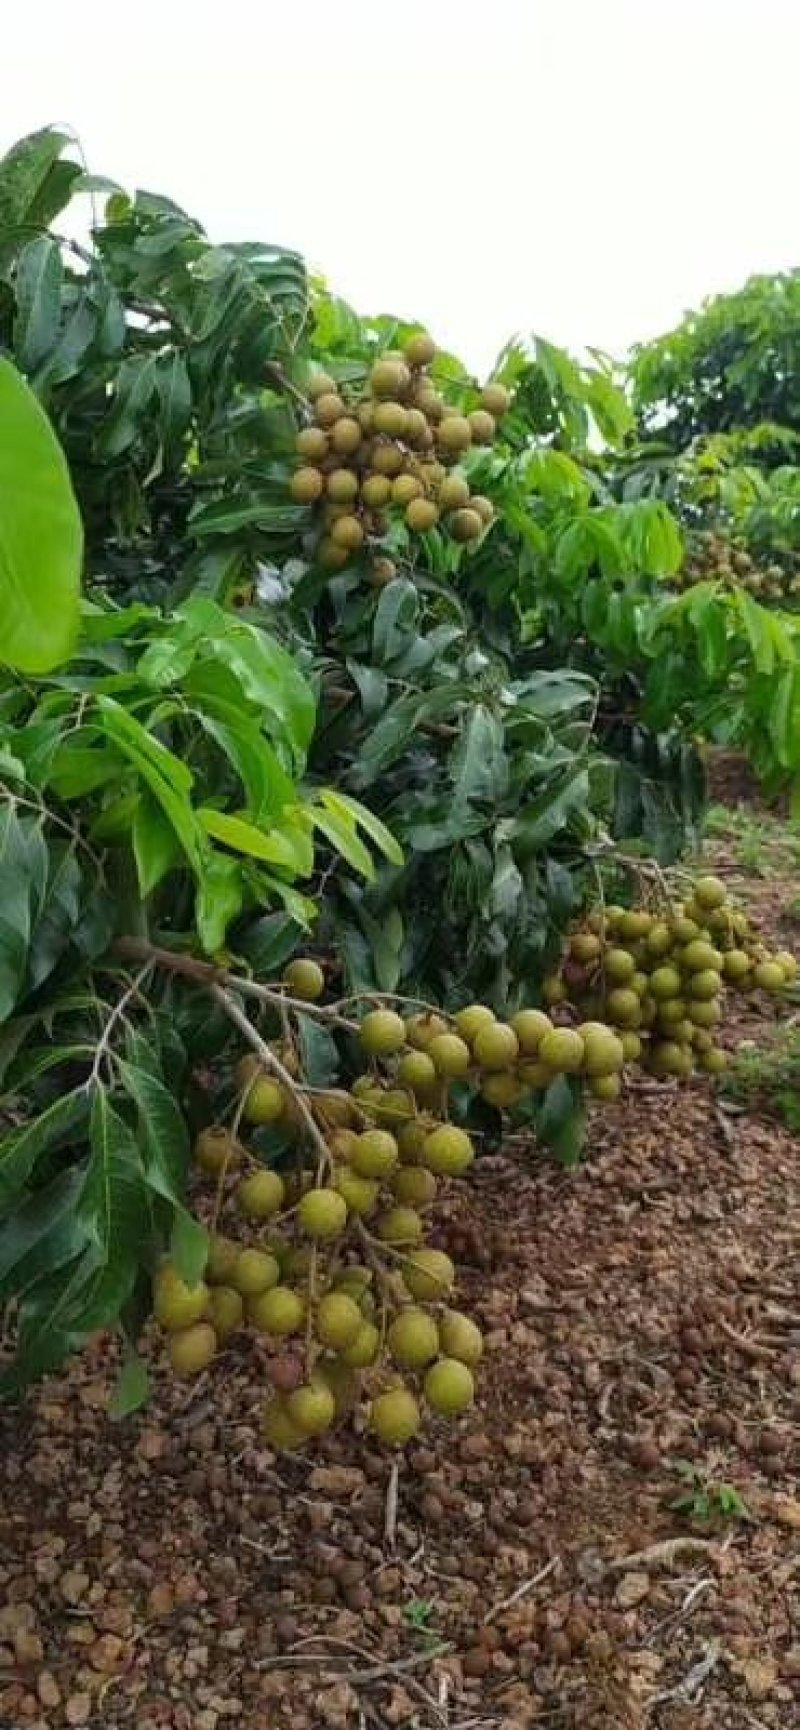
(583, 168)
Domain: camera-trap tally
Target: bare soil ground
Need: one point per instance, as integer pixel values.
(526, 1567)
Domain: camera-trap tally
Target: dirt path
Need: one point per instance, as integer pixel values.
(170, 1573)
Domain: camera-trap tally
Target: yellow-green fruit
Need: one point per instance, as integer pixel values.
(421, 515)
(605, 1087)
(396, 1107)
(277, 1427)
(624, 1007)
(453, 493)
(449, 1054)
(342, 1143)
(698, 956)
(320, 384)
(470, 1020)
(261, 1195)
(400, 1225)
(328, 408)
(376, 490)
(279, 1312)
(389, 378)
(222, 1255)
(702, 1040)
(359, 1193)
(420, 349)
(418, 432)
(342, 1380)
(411, 1138)
(631, 1046)
(338, 1321)
(553, 990)
(405, 488)
(448, 1151)
(667, 1058)
(346, 436)
(562, 1050)
(428, 1274)
(664, 982)
(713, 1061)
(312, 1407)
(386, 459)
(305, 979)
(495, 399)
(422, 1028)
(619, 966)
(417, 1069)
(375, 1153)
(482, 426)
(736, 965)
(704, 984)
(659, 939)
(706, 1014)
(484, 508)
(584, 946)
(365, 1347)
(670, 1010)
(382, 1032)
(634, 923)
(311, 444)
(769, 976)
(449, 1387)
(496, 1046)
(413, 1184)
(306, 486)
(787, 963)
(640, 983)
(254, 1271)
(685, 930)
(331, 557)
(530, 1027)
(265, 1102)
(176, 1304)
(603, 1052)
(413, 1339)
(322, 1213)
(430, 402)
(466, 525)
(348, 532)
(225, 1311)
(395, 1417)
(216, 1150)
(460, 1338)
(536, 1075)
(501, 1088)
(192, 1349)
(709, 893)
(390, 418)
(454, 433)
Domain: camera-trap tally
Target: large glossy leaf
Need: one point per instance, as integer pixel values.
(41, 539)
(21, 1148)
(37, 283)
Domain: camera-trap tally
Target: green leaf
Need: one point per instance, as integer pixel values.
(267, 943)
(41, 539)
(395, 619)
(265, 781)
(37, 283)
(561, 1120)
(155, 845)
(15, 908)
(344, 838)
(161, 1132)
(135, 386)
(166, 776)
(321, 1063)
(292, 850)
(478, 766)
(269, 677)
(131, 1390)
(188, 1246)
(352, 810)
(24, 172)
(41, 1233)
(219, 900)
(112, 1203)
(20, 1148)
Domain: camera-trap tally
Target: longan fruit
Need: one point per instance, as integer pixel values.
(177, 1305)
(261, 1195)
(376, 490)
(395, 1417)
(472, 1018)
(454, 493)
(495, 399)
(338, 1321)
(419, 350)
(346, 435)
(360, 1193)
(483, 506)
(375, 1153)
(530, 1027)
(192, 1349)
(460, 1338)
(428, 1274)
(390, 418)
(305, 979)
(496, 1046)
(421, 515)
(253, 1272)
(482, 426)
(279, 1312)
(466, 525)
(413, 1338)
(311, 1407)
(328, 408)
(563, 1051)
(454, 433)
(265, 1102)
(382, 1032)
(450, 1055)
(320, 384)
(405, 488)
(449, 1387)
(216, 1150)
(225, 1311)
(447, 1151)
(417, 1069)
(311, 444)
(390, 378)
(386, 458)
(322, 1213)
(306, 486)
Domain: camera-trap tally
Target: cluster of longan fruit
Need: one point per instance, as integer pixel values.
(391, 450)
(658, 977)
(715, 557)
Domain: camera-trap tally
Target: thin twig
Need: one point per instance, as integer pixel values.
(116, 1015)
(271, 1062)
(667, 1552)
(390, 1512)
(521, 1591)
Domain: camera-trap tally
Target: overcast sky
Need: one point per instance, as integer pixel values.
(583, 168)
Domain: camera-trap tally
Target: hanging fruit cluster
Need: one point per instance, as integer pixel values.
(658, 977)
(393, 450)
(326, 1259)
(715, 557)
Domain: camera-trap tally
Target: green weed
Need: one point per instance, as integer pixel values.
(704, 1500)
(769, 1076)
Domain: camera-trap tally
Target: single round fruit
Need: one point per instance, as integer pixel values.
(704, 984)
(553, 990)
(454, 493)
(360, 1194)
(375, 1153)
(346, 436)
(530, 1027)
(365, 1347)
(665, 982)
(624, 1007)
(225, 1311)
(411, 1139)
(414, 1184)
(420, 349)
(501, 1088)
(714, 1061)
(279, 1312)
(562, 1050)
(348, 532)
(390, 418)
(631, 1046)
(328, 408)
(482, 426)
(787, 963)
(176, 1304)
(322, 1213)
(603, 1052)
(685, 930)
(619, 966)
(496, 1046)
(670, 1011)
(428, 1274)
(470, 1020)
(450, 1055)
(484, 508)
(607, 1087)
(585, 946)
(769, 976)
(277, 1427)
(659, 939)
(192, 1349)
(535, 1075)
(449, 1387)
(382, 1032)
(265, 1102)
(667, 1058)
(421, 515)
(413, 1339)
(376, 491)
(320, 384)
(422, 1028)
(395, 1417)
(260, 1195)
(405, 488)
(417, 1069)
(427, 399)
(338, 1321)
(466, 525)
(634, 923)
(698, 956)
(418, 432)
(454, 433)
(305, 979)
(306, 486)
(704, 1014)
(460, 1338)
(216, 1151)
(254, 1271)
(736, 965)
(222, 1254)
(311, 444)
(400, 1225)
(396, 1107)
(389, 378)
(331, 557)
(448, 1151)
(709, 893)
(386, 458)
(495, 399)
(311, 1407)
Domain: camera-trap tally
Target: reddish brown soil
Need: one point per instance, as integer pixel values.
(172, 1574)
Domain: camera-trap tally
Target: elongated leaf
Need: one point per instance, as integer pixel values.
(41, 539)
(15, 908)
(344, 838)
(377, 831)
(37, 283)
(167, 777)
(161, 1132)
(293, 851)
(219, 900)
(21, 1148)
(42, 1234)
(112, 1202)
(270, 678)
(131, 1389)
(155, 845)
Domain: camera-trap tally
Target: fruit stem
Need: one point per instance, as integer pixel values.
(206, 973)
(271, 1062)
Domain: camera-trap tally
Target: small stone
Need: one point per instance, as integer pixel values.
(759, 1676)
(106, 1652)
(48, 1690)
(160, 1599)
(78, 1709)
(28, 1648)
(337, 1480)
(73, 1585)
(631, 1590)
